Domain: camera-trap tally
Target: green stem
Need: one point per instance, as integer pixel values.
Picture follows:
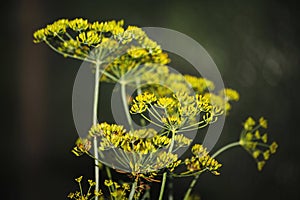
(146, 195)
(170, 188)
(194, 181)
(186, 174)
(80, 188)
(95, 109)
(109, 177)
(156, 117)
(125, 104)
(162, 188)
(139, 91)
(138, 84)
(196, 124)
(172, 142)
(226, 147)
(149, 120)
(157, 113)
(132, 191)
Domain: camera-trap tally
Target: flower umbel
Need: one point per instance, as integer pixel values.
(201, 161)
(255, 141)
(89, 195)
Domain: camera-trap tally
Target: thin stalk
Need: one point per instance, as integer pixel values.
(193, 129)
(187, 174)
(80, 188)
(109, 177)
(95, 109)
(157, 113)
(170, 188)
(162, 188)
(146, 118)
(132, 191)
(125, 104)
(156, 117)
(196, 124)
(138, 85)
(163, 183)
(172, 142)
(226, 147)
(194, 181)
(139, 91)
(146, 195)
(109, 75)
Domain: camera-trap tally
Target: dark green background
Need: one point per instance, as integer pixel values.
(255, 44)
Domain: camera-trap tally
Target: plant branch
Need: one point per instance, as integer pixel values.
(162, 188)
(194, 181)
(132, 191)
(95, 109)
(226, 147)
(125, 104)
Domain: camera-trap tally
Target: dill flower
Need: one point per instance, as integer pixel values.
(138, 151)
(79, 195)
(255, 142)
(230, 94)
(79, 24)
(201, 161)
(200, 85)
(182, 87)
(162, 83)
(82, 146)
(179, 112)
(108, 183)
(117, 49)
(39, 36)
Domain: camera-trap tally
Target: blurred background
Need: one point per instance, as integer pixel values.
(255, 45)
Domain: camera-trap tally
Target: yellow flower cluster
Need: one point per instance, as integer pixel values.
(117, 49)
(79, 195)
(164, 84)
(221, 104)
(119, 191)
(105, 129)
(203, 103)
(182, 141)
(60, 27)
(141, 141)
(230, 94)
(255, 142)
(180, 110)
(200, 85)
(137, 61)
(168, 160)
(202, 161)
(82, 146)
(172, 122)
(136, 149)
(161, 82)
(78, 24)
